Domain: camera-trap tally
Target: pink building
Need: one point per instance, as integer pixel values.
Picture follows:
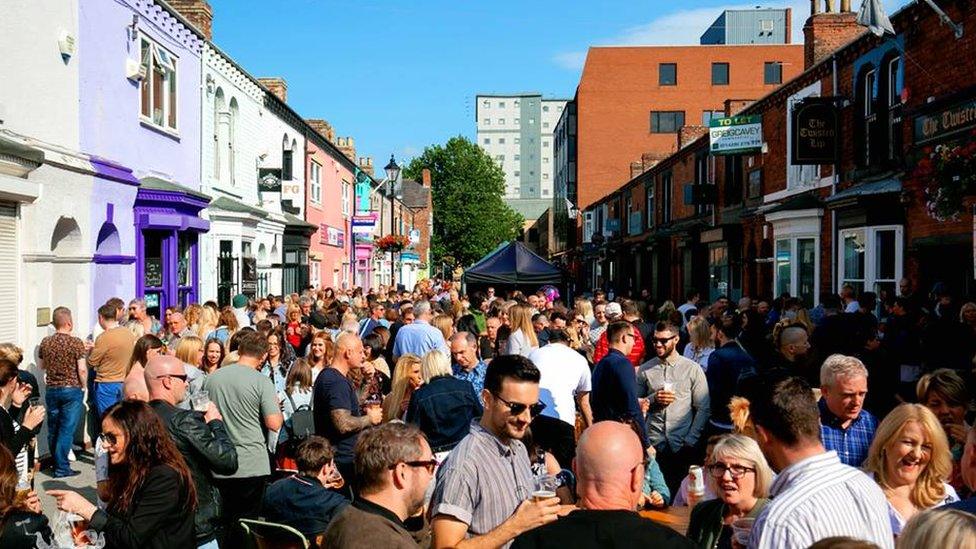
(328, 205)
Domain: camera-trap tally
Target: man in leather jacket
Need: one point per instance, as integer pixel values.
(200, 437)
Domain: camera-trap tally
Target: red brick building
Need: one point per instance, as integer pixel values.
(760, 225)
(633, 100)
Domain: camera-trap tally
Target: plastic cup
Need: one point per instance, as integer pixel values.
(200, 401)
(545, 487)
(741, 529)
(668, 386)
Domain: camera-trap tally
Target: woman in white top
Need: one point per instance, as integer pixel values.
(701, 345)
(523, 340)
(910, 459)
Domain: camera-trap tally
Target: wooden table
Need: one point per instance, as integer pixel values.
(675, 518)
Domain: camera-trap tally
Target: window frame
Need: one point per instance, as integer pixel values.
(346, 188)
(315, 182)
(870, 280)
(766, 66)
(661, 81)
(728, 73)
(159, 56)
(667, 189)
(794, 263)
(659, 114)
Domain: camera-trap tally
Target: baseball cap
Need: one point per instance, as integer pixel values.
(613, 310)
(239, 301)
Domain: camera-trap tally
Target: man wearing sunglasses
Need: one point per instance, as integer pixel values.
(201, 438)
(483, 492)
(394, 465)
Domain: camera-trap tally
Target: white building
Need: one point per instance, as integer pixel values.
(516, 130)
(242, 251)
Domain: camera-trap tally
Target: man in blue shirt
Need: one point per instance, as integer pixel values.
(465, 363)
(614, 395)
(419, 337)
(845, 426)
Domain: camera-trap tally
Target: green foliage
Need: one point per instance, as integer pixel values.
(470, 217)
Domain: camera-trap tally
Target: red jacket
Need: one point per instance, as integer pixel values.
(636, 354)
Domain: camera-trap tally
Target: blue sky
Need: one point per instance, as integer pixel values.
(400, 75)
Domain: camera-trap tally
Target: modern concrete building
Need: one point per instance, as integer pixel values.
(756, 26)
(517, 131)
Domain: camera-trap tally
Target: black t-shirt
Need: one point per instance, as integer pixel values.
(333, 391)
(604, 530)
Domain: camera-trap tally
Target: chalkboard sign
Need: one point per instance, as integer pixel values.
(154, 272)
(249, 276)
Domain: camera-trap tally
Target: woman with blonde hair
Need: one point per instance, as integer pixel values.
(701, 345)
(522, 341)
(435, 364)
(207, 323)
(406, 379)
(584, 307)
(939, 528)
(192, 315)
(445, 324)
(740, 478)
(909, 458)
(190, 350)
(227, 325)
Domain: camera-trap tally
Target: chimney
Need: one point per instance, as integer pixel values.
(824, 33)
(346, 146)
(735, 106)
(198, 13)
(425, 178)
(636, 168)
(366, 164)
(323, 127)
(277, 86)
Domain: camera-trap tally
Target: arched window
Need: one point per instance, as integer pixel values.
(219, 107)
(231, 138)
(286, 159)
(66, 237)
(108, 242)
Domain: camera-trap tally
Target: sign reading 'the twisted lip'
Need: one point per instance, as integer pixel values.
(815, 129)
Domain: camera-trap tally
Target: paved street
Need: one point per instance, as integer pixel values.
(84, 483)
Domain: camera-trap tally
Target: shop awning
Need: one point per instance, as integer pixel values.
(805, 201)
(862, 190)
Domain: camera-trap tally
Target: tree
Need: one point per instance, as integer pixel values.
(470, 217)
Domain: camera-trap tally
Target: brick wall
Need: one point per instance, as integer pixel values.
(824, 33)
(277, 86)
(198, 13)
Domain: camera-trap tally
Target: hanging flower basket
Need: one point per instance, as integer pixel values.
(949, 174)
(392, 243)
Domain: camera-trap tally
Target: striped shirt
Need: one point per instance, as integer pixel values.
(820, 497)
(482, 481)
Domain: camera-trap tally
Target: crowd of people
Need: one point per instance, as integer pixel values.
(432, 418)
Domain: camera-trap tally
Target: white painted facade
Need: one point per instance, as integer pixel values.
(234, 141)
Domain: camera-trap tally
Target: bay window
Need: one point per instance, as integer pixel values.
(796, 259)
(870, 258)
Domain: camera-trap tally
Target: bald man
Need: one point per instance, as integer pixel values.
(200, 437)
(609, 467)
(338, 415)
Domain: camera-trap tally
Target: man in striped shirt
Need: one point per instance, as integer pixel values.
(815, 496)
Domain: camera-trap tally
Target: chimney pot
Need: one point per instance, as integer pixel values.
(277, 86)
(198, 13)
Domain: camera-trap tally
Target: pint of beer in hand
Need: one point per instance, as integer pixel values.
(545, 487)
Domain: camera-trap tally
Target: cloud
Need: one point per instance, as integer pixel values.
(681, 27)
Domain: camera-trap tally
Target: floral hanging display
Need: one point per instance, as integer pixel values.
(392, 243)
(949, 174)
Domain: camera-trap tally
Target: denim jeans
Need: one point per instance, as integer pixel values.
(106, 395)
(64, 409)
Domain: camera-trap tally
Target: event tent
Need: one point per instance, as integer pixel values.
(513, 263)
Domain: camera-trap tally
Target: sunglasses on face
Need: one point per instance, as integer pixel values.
(181, 377)
(110, 438)
(517, 408)
(429, 464)
(662, 340)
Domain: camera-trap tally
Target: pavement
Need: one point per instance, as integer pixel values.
(84, 483)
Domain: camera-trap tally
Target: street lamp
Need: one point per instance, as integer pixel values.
(392, 174)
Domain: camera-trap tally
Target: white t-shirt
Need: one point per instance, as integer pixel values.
(684, 312)
(564, 374)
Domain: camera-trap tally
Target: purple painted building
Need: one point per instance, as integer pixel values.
(139, 76)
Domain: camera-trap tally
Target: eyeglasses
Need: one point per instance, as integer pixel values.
(662, 340)
(737, 471)
(516, 408)
(181, 377)
(110, 438)
(429, 464)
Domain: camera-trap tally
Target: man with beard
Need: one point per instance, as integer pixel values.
(728, 364)
(845, 426)
(484, 488)
(395, 465)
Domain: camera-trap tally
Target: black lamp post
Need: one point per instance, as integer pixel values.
(392, 174)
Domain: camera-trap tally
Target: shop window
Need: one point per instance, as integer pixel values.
(718, 271)
(152, 245)
(796, 271)
(871, 258)
(157, 93)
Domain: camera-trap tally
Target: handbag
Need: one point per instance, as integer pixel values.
(302, 420)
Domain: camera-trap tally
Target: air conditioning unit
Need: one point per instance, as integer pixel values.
(135, 70)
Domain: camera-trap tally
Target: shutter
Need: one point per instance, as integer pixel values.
(8, 268)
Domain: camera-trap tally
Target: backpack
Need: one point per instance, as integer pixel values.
(302, 420)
